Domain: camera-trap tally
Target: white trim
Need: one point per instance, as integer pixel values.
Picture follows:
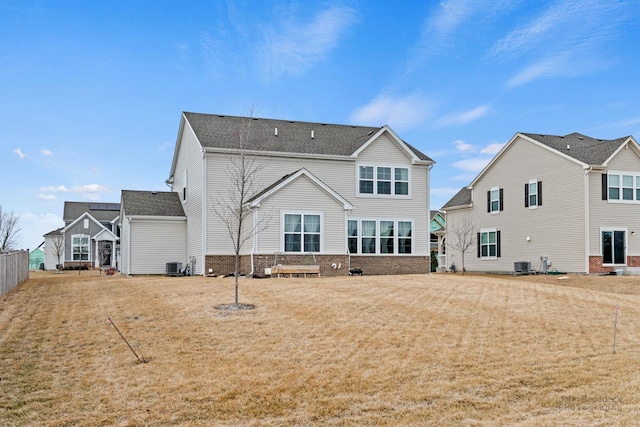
(302, 213)
(533, 181)
(378, 237)
(491, 190)
(393, 167)
(488, 257)
(395, 139)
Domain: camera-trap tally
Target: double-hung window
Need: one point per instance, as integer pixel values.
(80, 247)
(621, 187)
(384, 237)
(488, 243)
(302, 232)
(533, 194)
(383, 180)
(495, 200)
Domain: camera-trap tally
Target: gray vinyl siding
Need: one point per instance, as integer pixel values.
(604, 213)
(78, 228)
(556, 228)
(341, 176)
(190, 158)
(150, 249)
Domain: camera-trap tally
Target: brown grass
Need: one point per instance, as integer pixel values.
(390, 350)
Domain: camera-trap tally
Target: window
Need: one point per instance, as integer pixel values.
(613, 247)
(623, 187)
(495, 200)
(533, 194)
(488, 243)
(302, 232)
(184, 186)
(80, 247)
(379, 237)
(383, 180)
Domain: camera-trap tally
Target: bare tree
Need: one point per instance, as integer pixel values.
(461, 233)
(58, 248)
(9, 229)
(233, 209)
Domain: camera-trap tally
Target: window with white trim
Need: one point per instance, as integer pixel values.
(80, 247)
(302, 232)
(533, 194)
(488, 242)
(381, 237)
(383, 180)
(495, 200)
(621, 187)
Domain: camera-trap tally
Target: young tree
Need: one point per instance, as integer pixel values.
(58, 248)
(461, 233)
(9, 229)
(232, 209)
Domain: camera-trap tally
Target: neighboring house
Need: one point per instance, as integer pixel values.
(565, 203)
(53, 246)
(336, 195)
(153, 231)
(36, 258)
(89, 237)
(437, 225)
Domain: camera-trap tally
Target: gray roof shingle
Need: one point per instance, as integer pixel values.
(462, 198)
(102, 212)
(152, 203)
(588, 150)
(217, 131)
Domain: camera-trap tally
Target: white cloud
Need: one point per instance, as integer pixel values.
(47, 197)
(292, 45)
(547, 67)
(464, 117)
(464, 147)
(399, 113)
(493, 148)
(46, 152)
(475, 164)
(52, 189)
(19, 153)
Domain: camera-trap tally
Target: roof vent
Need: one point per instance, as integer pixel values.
(275, 132)
(580, 137)
(313, 135)
(154, 192)
(568, 147)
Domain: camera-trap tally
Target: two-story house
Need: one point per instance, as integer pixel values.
(338, 196)
(561, 203)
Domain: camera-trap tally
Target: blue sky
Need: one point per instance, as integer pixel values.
(92, 91)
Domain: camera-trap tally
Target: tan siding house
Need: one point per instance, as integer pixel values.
(571, 200)
(339, 196)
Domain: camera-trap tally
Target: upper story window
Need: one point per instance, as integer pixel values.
(621, 186)
(533, 194)
(488, 244)
(495, 201)
(184, 186)
(383, 180)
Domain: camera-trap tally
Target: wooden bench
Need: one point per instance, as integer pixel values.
(277, 270)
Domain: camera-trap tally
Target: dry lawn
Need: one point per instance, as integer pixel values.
(438, 349)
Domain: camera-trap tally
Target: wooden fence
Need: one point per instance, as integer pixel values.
(14, 269)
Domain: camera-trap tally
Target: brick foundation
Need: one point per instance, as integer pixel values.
(596, 267)
(330, 265)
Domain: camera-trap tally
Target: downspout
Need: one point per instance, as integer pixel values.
(586, 218)
(429, 216)
(129, 247)
(205, 199)
(255, 239)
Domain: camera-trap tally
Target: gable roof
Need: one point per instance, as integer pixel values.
(284, 136)
(285, 180)
(152, 203)
(85, 215)
(102, 212)
(590, 151)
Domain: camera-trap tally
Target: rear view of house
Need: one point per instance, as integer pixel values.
(567, 203)
(336, 196)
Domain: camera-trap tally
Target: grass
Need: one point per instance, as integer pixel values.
(390, 350)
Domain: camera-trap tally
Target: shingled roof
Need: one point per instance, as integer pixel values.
(217, 131)
(152, 203)
(588, 150)
(462, 198)
(102, 212)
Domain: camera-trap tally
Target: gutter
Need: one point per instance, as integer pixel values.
(586, 217)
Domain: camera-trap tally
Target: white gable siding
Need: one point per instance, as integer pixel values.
(555, 229)
(50, 258)
(150, 250)
(124, 244)
(383, 150)
(190, 159)
(302, 196)
(612, 214)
